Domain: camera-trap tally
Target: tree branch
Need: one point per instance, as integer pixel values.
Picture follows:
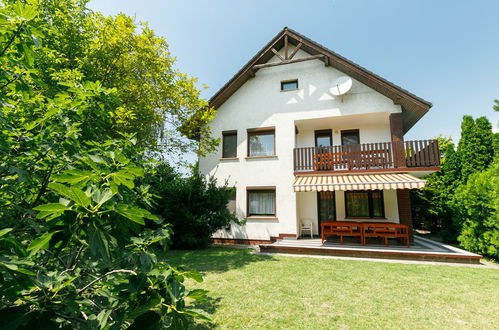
(106, 274)
(69, 318)
(75, 262)
(43, 188)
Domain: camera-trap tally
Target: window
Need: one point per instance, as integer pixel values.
(231, 204)
(324, 138)
(350, 137)
(229, 144)
(289, 85)
(261, 142)
(364, 204)
(261, 201)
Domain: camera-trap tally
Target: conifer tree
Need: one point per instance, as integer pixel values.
(475, 148)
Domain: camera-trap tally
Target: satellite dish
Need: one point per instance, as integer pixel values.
(341, 86)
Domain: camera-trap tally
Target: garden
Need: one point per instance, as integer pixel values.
(253, 291)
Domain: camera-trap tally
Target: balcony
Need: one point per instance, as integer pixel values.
(368, 156)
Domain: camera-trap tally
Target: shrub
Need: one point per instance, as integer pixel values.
(195, 206)
(477, 203)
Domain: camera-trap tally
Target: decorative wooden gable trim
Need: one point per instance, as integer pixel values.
(413, 107)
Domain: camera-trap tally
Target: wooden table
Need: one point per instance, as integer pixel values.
(341, 228)
(385, 230)
(363, 230)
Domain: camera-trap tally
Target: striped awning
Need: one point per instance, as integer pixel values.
(357, 182)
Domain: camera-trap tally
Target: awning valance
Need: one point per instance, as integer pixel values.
(357, 182)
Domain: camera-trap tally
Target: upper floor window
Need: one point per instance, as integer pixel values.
(324, 138)
(350, 137)
(261, 142)
(229, 144)
(289, 85)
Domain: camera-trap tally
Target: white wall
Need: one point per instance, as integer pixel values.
(260, 103)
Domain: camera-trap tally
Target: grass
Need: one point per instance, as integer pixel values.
(251, 291)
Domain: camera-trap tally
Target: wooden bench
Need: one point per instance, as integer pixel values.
(364, 230)
(341, 228)
(385, 230)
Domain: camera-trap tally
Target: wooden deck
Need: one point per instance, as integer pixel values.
(421, 250)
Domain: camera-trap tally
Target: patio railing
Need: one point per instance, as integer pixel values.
(380, 155)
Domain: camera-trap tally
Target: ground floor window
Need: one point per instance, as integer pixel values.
(261, 201)
(364, 204)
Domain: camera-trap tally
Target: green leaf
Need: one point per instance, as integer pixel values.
(96, 158)
(5, 231)
(75, 194)
(123, 178)
(40, 243)
(103, 317)
(135, 170)
(135, 214)
(98, 244)
(16, 268)
(100, 197)
(51, 207)
(18, 247)
(196, 276)
(25, 271)
(198, 294)
(197, 313)
(74, 176)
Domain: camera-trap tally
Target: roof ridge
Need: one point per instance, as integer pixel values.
(413, 106)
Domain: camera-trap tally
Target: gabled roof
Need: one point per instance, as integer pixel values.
(413, 107)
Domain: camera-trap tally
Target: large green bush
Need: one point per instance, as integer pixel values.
(477, 203)
(196, 207)
(435, 206)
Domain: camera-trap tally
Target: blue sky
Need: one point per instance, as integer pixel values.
(446, 52)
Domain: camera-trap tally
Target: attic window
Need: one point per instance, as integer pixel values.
(289, 85)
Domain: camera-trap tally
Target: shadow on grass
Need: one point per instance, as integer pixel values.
(214, 259)
(209, 306)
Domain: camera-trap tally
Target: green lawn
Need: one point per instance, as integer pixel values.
(251, 291)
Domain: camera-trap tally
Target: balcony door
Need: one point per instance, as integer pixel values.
(323, 143)
(324, 138)
(350, 144)
(350, 137)
(326, 207)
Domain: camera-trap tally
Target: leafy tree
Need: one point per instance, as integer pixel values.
(478, 202)
(194, 206)
(496, 106)
(74, 249)
(152, 99)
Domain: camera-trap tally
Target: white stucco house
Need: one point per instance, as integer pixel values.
(294, 149)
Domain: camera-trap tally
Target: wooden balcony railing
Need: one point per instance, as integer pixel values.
(366, 156)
